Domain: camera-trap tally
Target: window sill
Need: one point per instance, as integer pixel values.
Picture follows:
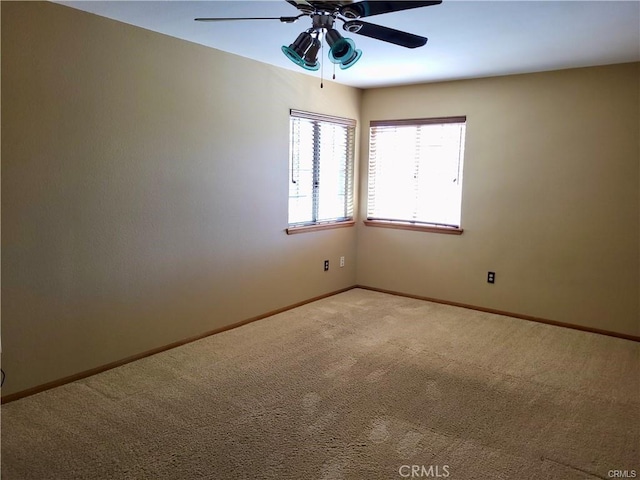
(414, 227)
(319, 226)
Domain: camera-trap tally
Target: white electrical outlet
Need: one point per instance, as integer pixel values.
(342, 261)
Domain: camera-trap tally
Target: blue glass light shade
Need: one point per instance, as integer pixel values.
(344, 52)
(292, 55)
(303, 51)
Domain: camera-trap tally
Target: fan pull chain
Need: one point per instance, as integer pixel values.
(322, 65)
(334, 71)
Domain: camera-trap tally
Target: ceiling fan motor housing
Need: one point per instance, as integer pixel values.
(322, 20)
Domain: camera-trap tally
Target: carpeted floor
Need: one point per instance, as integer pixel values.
(361, 385)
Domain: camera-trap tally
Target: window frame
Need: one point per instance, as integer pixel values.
(421, 226)
(349, 167)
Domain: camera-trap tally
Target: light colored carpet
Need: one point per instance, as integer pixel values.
(354, 386)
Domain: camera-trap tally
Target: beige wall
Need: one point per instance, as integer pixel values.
(144, 191)
(550, 203)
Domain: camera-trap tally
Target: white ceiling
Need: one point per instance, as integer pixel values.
(467, 39)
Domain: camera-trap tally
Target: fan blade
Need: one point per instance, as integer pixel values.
(222, 19)
(301, 5)
(385, 34)
(369, 8)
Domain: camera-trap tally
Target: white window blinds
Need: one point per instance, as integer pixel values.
(321, 168)
(415, 171)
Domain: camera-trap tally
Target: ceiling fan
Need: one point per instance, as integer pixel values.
(342, 51)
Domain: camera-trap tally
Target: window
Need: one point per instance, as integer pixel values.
(415, 173)
(320, 171)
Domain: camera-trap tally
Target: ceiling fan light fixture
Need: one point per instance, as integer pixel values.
(292, 55)
(310, 59)
(311, 66)
(343, 50)
(351, 61)
(297, 50)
